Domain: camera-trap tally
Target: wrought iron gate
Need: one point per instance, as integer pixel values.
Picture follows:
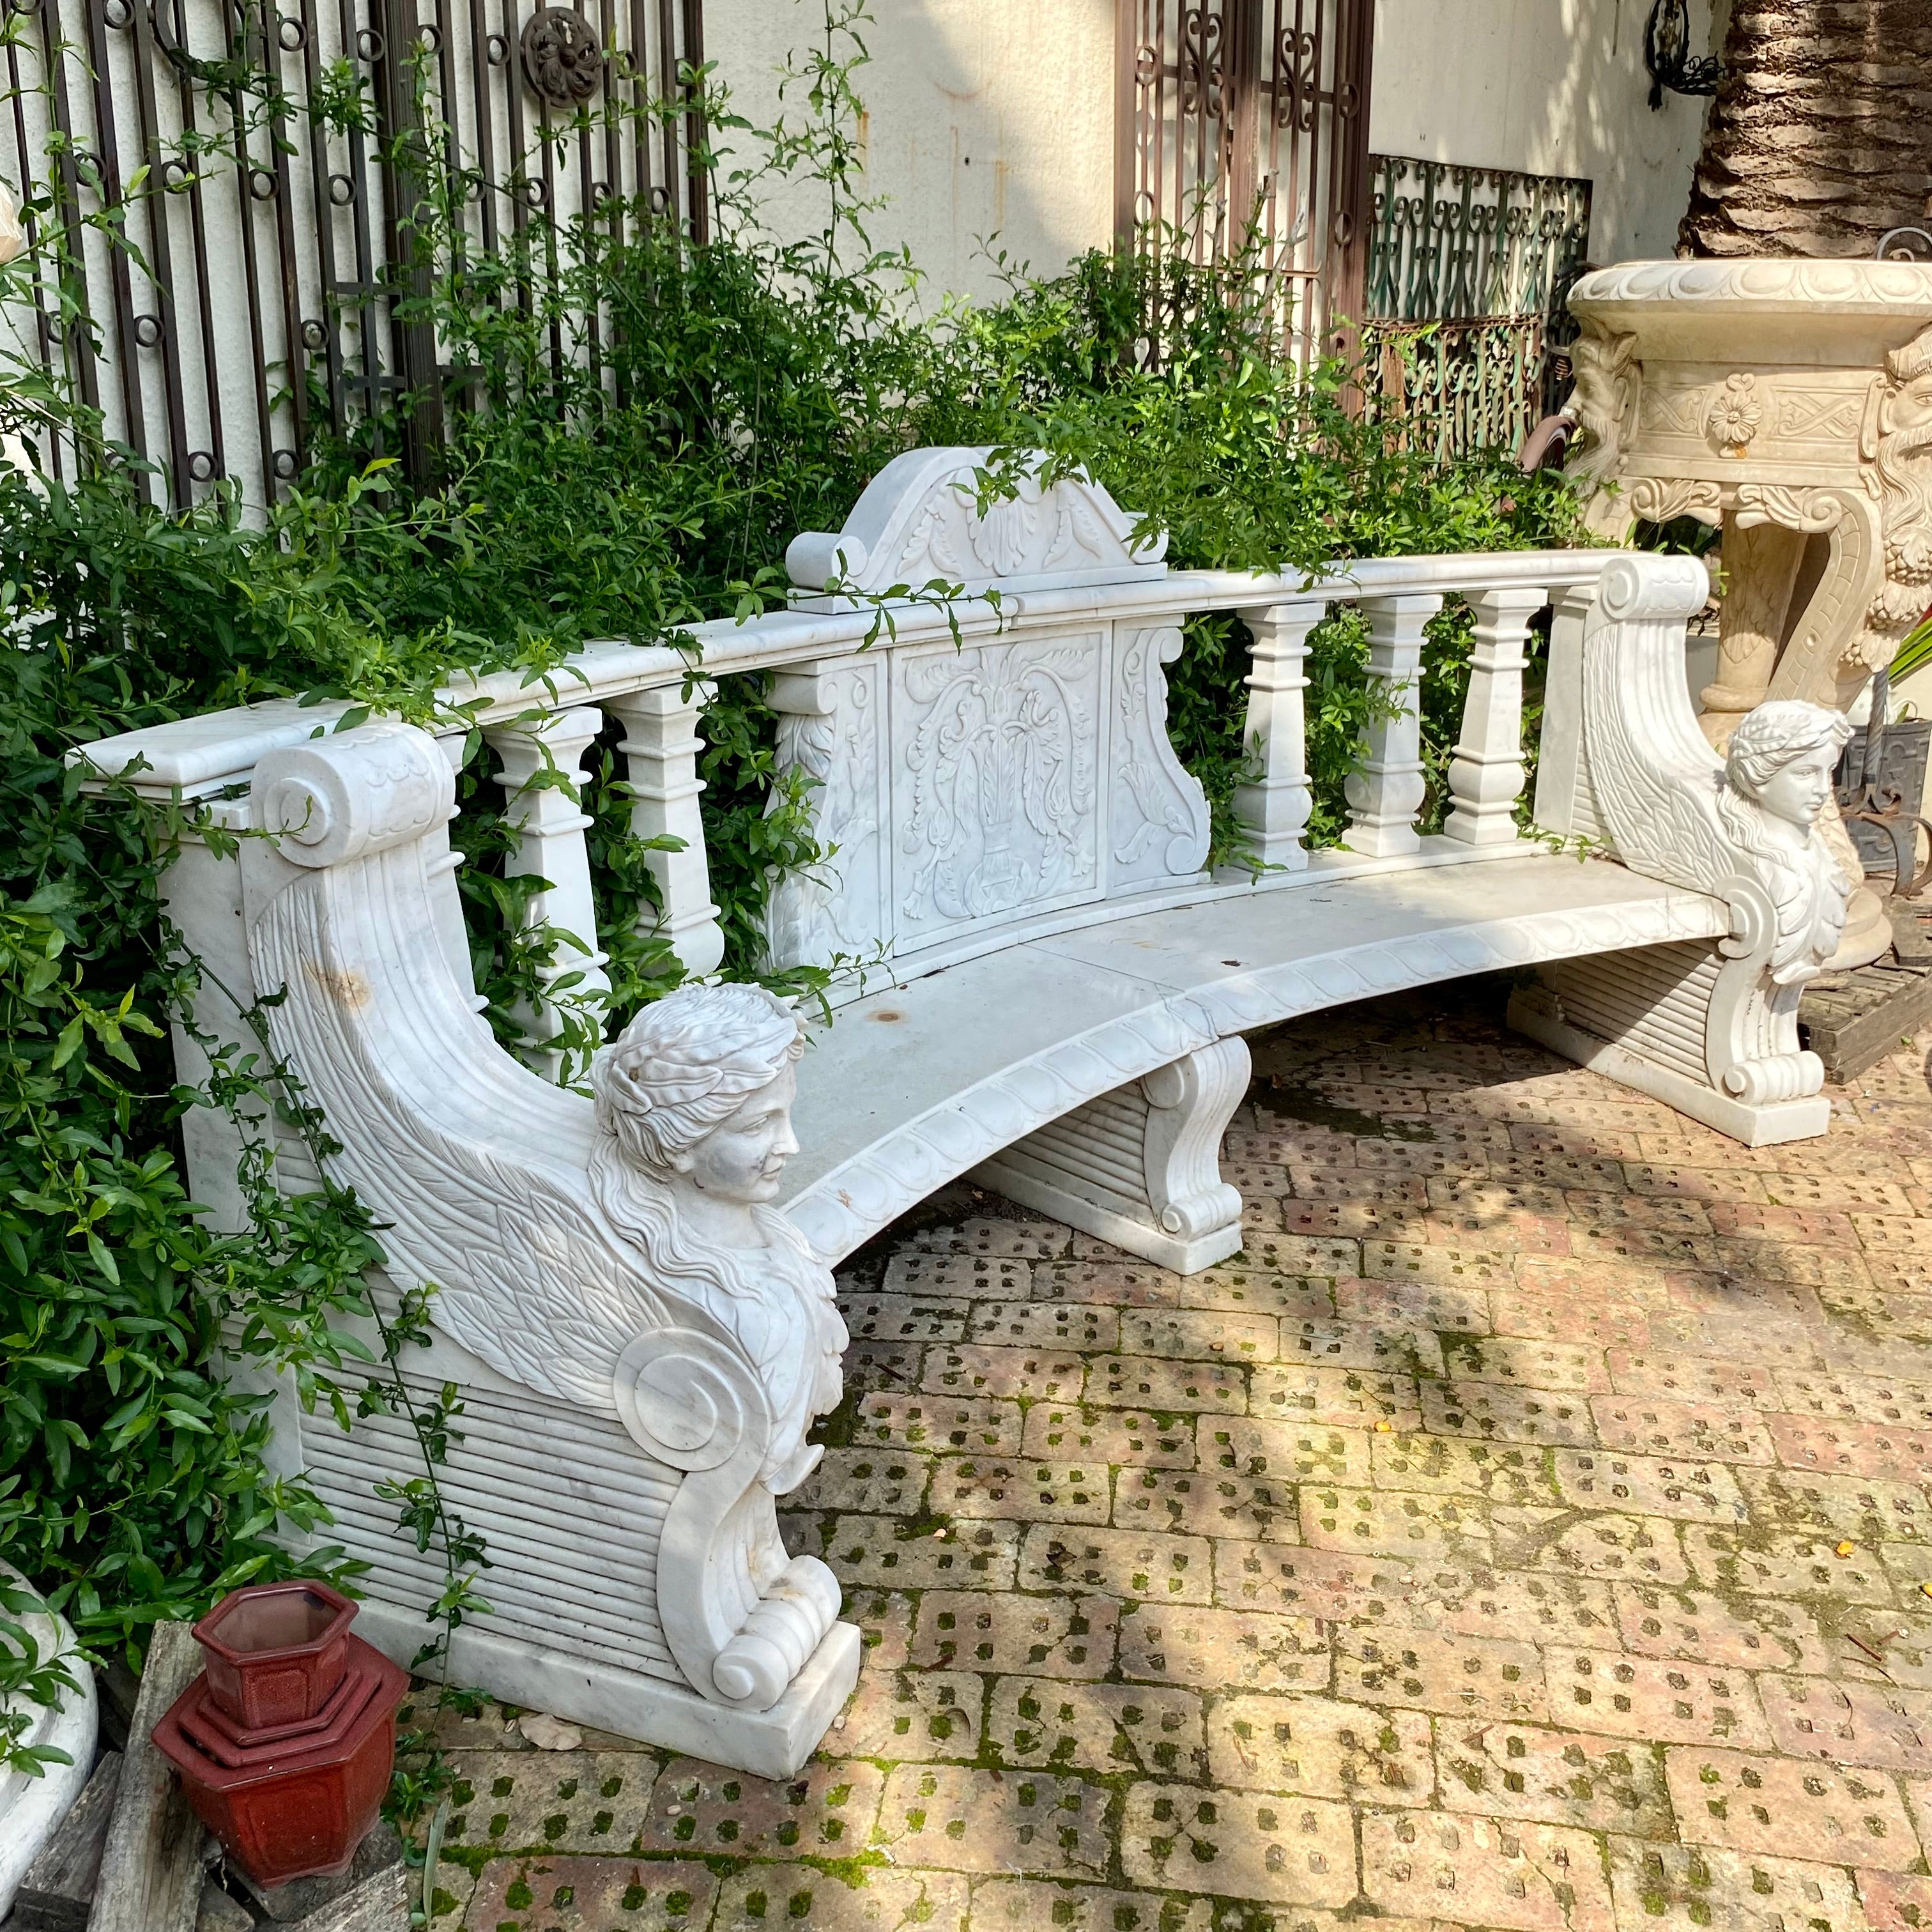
(227, 179)
(1235, 112)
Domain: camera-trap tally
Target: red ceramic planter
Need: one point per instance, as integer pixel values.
(275, 1650)
(292, 1799)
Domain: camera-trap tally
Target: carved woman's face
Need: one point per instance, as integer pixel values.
(742, 1158)
(1802, 789)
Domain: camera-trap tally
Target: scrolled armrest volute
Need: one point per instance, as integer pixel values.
(690, 1399)
(1651, 588)
(354, 794)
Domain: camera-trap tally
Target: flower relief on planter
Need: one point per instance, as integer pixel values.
(1900, 435)
(1735, 412)
(645, 1339)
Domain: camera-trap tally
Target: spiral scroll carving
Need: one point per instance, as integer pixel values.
(360, 792)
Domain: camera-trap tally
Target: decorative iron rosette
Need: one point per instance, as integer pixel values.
(563, 61)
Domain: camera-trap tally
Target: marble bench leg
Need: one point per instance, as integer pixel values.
(1141, 1166)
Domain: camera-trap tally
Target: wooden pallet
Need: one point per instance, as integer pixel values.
(1852, 1020)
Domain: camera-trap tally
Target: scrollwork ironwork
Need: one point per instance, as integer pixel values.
(1469, 272)
(1667, 58)
(1201, 74)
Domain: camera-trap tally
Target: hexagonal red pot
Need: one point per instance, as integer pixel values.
(275, 1650)
(295, 1799)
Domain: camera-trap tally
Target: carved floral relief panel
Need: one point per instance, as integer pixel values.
(838, 907)
(1702, 412)
(997, 782)
(1032, 532)
(1157, 814)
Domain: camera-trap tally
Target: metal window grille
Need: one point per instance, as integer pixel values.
(249, 287)
(1469, 273)
(1245, 122)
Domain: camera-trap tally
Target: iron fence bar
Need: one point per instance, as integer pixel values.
(546, 162)
(669, 93)
(612, 222)
(1344, 254)
(515, 180)
(593, 345)
(160, 258)
(638, 62)
(77, 342)
(288, 261)
(417, 379)
(614, 149)
(486, 127)
(120, 280)
(357, 43)
(44, 323)
(321, 334)
(697, 188)
(251, 270)
(197, 208)
(1309, 104)
(1126, 47)
(1267, 141)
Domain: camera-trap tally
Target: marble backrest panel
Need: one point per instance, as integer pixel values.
(968, 789)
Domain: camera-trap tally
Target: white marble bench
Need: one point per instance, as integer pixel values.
(1055, 997)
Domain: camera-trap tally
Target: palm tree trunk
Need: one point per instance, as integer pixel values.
(1818, 141)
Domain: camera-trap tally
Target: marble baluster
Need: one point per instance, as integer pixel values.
(1274, 807)
(1386, 791)
(660, 748)
(550, 823)
(444, 861)
(1486, 776)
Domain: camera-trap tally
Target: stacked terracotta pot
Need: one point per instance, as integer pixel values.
(285, 1743)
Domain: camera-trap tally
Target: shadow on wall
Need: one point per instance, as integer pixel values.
(1546, 87)
(989, 125)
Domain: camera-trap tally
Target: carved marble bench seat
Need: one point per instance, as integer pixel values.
(1091, 1074)
(1037, 980)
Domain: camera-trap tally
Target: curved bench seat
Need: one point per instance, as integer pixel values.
(918, 1083)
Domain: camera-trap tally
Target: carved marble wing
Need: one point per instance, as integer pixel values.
(1655, 778)
(475, 1166)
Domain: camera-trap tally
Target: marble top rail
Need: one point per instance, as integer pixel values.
(203, 755)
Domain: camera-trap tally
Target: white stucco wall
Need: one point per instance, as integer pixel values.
(992, 119)
(988, 123)
(1549, 87)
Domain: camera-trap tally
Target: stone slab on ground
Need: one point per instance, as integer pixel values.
(301, 1897)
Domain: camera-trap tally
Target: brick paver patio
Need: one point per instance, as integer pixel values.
(1529, 1530)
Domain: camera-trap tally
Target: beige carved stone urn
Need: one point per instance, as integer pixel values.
(1789, 401)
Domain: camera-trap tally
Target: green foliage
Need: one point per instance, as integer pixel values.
(132, 1484)
(28, 1677)
(1914, 650)
(743, 390)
